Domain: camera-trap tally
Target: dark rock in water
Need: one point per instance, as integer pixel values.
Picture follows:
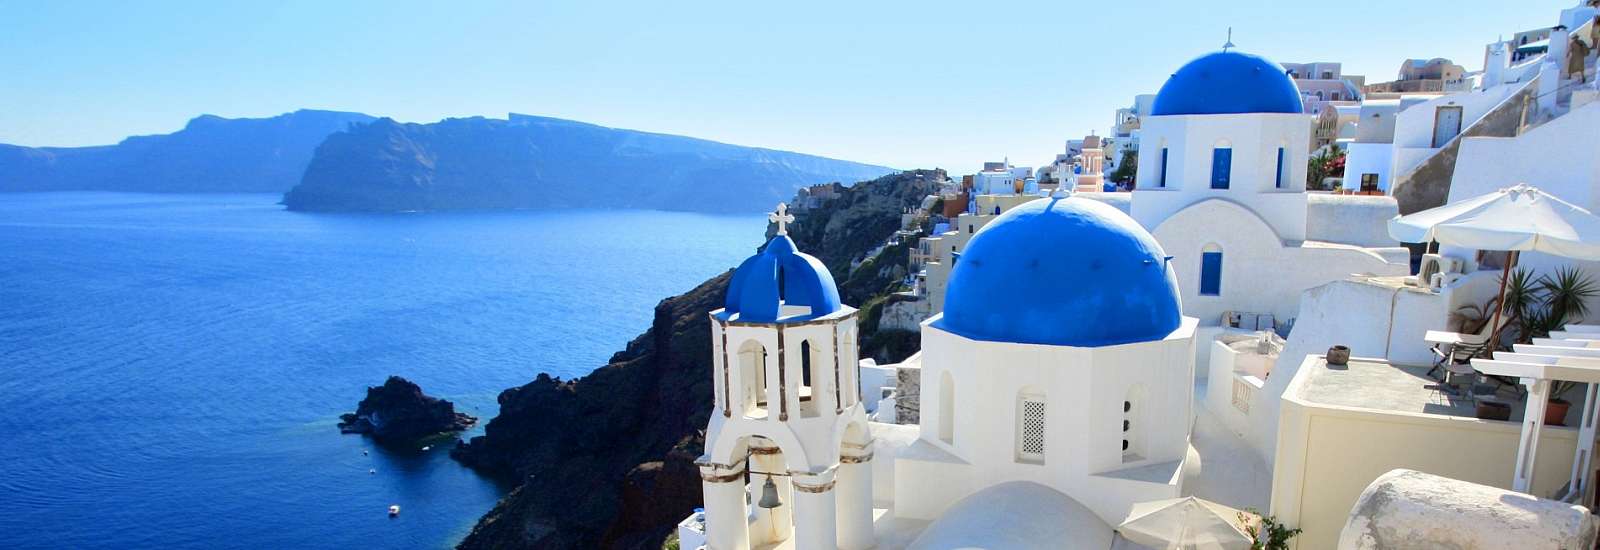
(398, 412)
(607, 460)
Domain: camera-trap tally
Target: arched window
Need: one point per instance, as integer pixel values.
(1221, 165)
(810, 398)
(1161, 172)
(1030, 427)
(1211, 270)
(1133, 405)
(947, 408)
(1278, 183)
(753, 377)
(805, 365)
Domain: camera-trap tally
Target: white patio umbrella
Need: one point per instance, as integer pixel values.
(1516, 218)
(1186, 524)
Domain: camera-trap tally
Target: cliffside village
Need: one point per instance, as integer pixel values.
(1273, 304)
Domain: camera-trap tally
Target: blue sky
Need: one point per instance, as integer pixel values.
(905, 84)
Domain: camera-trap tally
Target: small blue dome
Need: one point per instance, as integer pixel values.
(1065, 272)
(1228, 83)
(754, 293)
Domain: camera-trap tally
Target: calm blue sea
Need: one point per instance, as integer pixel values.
(172, 367)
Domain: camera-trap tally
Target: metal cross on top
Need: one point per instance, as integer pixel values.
(1229, 43)
(782, 217)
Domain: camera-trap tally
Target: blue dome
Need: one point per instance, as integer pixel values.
(1228, 83)
(754, 295)
(1065, 272)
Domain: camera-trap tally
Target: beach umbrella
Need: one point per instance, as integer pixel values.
(1516, 218)
(1186, 524)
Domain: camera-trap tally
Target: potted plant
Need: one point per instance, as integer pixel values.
(1493, 410)
(1266, 533)
(1536, 306)
(1555, 411)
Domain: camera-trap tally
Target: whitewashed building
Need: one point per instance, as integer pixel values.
(1227, 139)
(1071, 400)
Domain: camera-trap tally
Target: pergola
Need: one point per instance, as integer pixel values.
(1571, 355)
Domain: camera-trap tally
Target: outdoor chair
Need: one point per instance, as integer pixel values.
(1446, 356)
(1455, 366)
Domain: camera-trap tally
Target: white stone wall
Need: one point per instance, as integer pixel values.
(1338, 451)
(1236, 376)
(1374, 321)
(1350, 219)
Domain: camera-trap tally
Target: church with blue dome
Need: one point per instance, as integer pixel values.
(1058, 376)
(1062, 348)
(1227, 140)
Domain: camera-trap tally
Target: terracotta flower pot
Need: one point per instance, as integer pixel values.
(1489, 410)
(1338, 355)
(1555, 412)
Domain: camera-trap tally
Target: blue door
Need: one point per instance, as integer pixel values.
(1211, 274)
(1221, 167)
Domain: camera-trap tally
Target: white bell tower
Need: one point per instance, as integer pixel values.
(788, 451)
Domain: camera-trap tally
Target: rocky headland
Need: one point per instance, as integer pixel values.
(530, 162)
(398, 412)
(607, 460)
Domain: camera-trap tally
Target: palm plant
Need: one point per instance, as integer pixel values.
(1537, 306)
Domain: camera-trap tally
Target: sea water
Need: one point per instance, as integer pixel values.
(172, 366)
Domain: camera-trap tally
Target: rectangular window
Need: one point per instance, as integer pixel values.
(1211, 274)
(1030, 439)
(1221, 167)
(1369, 182)
(1279, 182)
(1161, 180)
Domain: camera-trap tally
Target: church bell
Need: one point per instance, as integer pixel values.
(769, 495)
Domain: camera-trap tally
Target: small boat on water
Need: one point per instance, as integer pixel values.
(394, 510)
(426, 447)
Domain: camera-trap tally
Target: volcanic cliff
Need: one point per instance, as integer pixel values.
(607, 460)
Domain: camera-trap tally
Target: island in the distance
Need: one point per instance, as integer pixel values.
(398, 413)
(530, 162)
(211, 154)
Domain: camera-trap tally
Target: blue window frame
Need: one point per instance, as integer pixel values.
(1221, 167)
(1210, 273)
(1279, 182)
(1161, 180)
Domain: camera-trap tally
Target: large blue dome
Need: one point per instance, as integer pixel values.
(1228, 83)
(754, 293)
(1065, 272)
